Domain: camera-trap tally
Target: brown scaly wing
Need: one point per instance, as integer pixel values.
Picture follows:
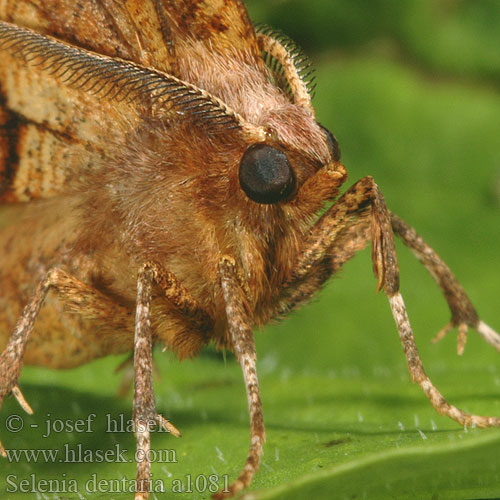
(132, 30)
(141, 31)
(48, 129)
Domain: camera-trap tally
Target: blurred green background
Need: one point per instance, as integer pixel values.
(410, 89)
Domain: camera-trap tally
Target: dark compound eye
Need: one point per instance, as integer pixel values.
(266, 175)
(333, 144)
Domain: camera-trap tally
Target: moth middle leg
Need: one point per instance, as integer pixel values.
(359, 216)
(242, 339)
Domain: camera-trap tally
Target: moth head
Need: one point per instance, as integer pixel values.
(267, 174)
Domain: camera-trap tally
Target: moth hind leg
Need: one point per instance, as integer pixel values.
(11, 359)
(78, 297)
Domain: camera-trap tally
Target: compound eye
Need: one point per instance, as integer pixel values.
(333, 144)
(266, 175)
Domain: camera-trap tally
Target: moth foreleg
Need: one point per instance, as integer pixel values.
(365, 194)
(78, 297)
(145, 414)
(244, 348)
(418, 374)
(341, 220)
(463, 314)
(348, 242)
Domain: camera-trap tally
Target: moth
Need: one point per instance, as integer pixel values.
(172, 177)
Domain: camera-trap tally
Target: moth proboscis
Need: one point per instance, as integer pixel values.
(170, 171)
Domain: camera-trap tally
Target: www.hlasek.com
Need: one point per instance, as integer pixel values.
(78, 454)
